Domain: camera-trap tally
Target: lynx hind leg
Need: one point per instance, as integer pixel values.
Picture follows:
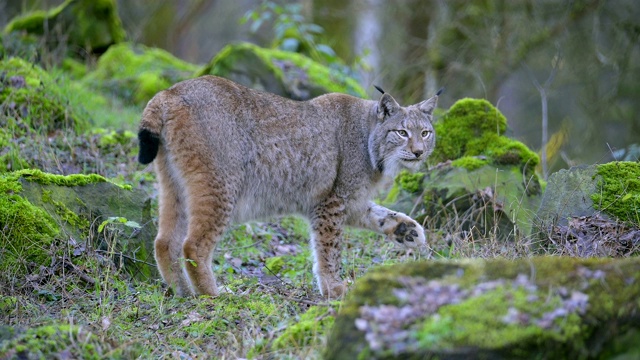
(398, 227)
(326, 242)
(172, 228)
(209, 208)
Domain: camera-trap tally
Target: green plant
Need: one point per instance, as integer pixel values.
(292, 32)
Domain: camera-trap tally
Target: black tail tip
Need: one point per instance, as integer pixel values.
(149, 144)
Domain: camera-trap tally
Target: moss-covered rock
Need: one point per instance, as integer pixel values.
(280, 72)
(31, 97)
(549, 307)
(42, 215)
(92, 25)
(474, 127)
(607, 195)
(568, 194)
(489, 201)
(28, 231)
(136, 73)
(619, 190)
(42, 115)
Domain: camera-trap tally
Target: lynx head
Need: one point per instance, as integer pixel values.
(402, 137)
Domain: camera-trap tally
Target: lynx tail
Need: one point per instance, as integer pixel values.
(150, 128)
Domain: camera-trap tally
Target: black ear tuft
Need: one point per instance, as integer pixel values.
(440, 91)
(379, 89)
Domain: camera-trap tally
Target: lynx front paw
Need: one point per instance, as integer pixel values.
(408, 233)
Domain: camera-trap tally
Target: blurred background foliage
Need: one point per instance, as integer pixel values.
(583, 56)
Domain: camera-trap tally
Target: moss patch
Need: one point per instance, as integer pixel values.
(136, 73)
(43, 178)
(27, 230)
(307, 330)
(92, 25)
(411, 182)
(29, 95)
(469, 162)
(619, 193)
(30, 229)
(281, 72)
(474, 127)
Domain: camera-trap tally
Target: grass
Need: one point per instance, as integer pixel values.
(253, 316)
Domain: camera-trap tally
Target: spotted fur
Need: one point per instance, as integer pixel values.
(225, 153)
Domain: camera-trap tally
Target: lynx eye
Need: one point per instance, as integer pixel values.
(425, 133)
(402, 133)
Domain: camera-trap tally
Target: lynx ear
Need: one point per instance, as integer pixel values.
(429, 105)
(387, 106)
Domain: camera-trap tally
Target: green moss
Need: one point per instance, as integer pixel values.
(619, 194)
(93, 25)
(10, 158)
(148, 85)
(307, 330)
(136, 73)
(43, 178)
(474, 127)
(269, 62)
(110, 138)
(463, 325)
(8, 304)
(36, 100)
(27, 231)
(65, 213)
(75, 68)
(411, 182)
(469, 162)
(274, 264)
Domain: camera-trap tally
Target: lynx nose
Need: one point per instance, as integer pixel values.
(417, 153)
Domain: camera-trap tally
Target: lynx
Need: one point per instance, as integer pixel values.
(225, 153)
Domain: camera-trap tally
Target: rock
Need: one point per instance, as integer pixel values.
(491, 200)
(546, 307)
(475, 128)
(568, 194)
(91, 25)
(592, 211)
(280, 72)
(136, 73)
(29, 94)
(48, 213)
(484, 184)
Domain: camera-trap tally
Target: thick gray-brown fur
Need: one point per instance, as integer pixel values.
(226, 153)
